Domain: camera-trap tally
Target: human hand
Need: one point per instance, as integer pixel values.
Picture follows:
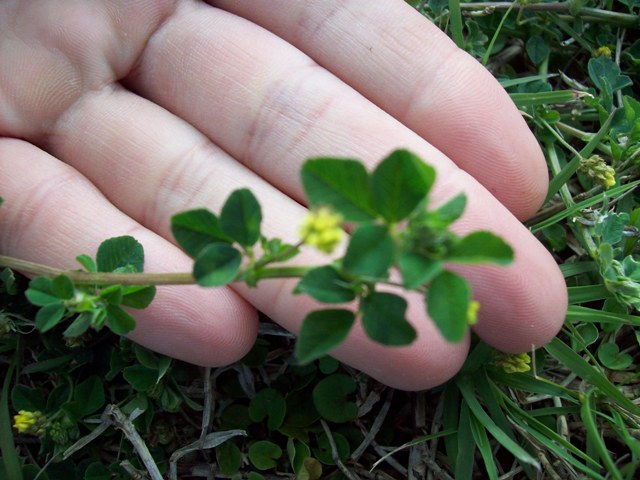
(116, 115)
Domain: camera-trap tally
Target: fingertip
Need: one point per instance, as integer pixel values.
(523, 306)
(464, 112)
(541, 310)
(426, 363)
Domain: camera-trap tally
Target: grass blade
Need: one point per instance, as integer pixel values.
(529, 383)
(574, 362)
(507, 442)
(572, 269)
(7, 446)
(450, 416)
(589, 315)
(567, 172)
(492, 42)
(466, 446)
(587, 415)
(482, 442)
(589, 202)
(543, 98)
(588, 293)
(415, 441)
(558, 445)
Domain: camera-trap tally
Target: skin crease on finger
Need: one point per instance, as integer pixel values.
(526, 286)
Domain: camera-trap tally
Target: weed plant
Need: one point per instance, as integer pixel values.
(94, 405)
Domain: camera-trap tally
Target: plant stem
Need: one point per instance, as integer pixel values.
(106, 278)
(98, 278)
(587, 13)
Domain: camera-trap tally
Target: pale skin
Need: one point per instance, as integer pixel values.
(115, 115)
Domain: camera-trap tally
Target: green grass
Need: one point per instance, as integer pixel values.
(576, 414)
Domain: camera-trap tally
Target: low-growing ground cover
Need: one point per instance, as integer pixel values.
(100, 407)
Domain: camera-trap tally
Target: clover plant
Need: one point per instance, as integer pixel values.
(392, 228)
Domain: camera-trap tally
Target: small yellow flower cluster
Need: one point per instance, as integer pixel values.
(512, 362)
(321, 229)
(603, 51)
(597, 169)
(472, 312)
(32, 423)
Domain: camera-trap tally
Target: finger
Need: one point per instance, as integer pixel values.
(411, 69)
(52, 52)
(285, 109)
(181, 169)
(52, 213)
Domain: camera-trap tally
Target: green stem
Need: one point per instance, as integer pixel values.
(106, 278)
(98, 278)
(267, 260)
(555, 168)
(487, 54)
(587, 13)
(455, 21)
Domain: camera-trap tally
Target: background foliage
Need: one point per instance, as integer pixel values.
(572, 68)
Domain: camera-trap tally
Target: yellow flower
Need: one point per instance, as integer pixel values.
(472, 312)
(32, 423)
(596, 168)
(513, 362)
(321, 229)
(603, 51)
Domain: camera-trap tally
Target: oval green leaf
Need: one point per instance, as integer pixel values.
(195, 229)
(399, 183)
(537, 49)
(448, 212)
(217, 265)
(241, 216)
(140, 377)
(229, 458)
(298, 452)
(481, 247)
(324, 452)
(611, 357)
(448, 299)
(40, 293)
(268, 403)
(321, 332)
(49, 316)
(417, 269)
(120, 253)
(137, 296)
(62, 287)
(79, 325)
(24, 397)
(342, 184)
(383, 318)
(264, 454)
(370, 252)
(119, 321)
(330, 397)
(326, 285)
(90, 395)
